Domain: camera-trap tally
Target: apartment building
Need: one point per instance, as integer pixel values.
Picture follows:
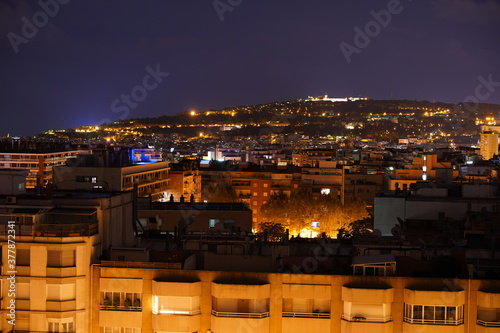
(227, 302)
(185, 180)
(423, 167)
(488, 144)
(112, 170)
(426, 201)
(38, 163)
(48, 243)
(198, 217)
(254, 184)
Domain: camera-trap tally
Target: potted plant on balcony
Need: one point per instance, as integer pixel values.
(127, 303)
(107, 302)
(137, 303)
(116, 302)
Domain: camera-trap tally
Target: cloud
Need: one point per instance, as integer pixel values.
(469, 11)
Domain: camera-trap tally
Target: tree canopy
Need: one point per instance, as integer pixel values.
(301, 208)
(219, 192)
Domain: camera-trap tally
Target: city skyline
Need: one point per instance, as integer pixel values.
(68, 64)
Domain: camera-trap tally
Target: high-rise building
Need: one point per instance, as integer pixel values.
(488, 145)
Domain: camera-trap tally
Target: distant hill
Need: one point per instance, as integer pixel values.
(372, 119)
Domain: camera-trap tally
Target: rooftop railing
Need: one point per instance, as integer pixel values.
(53, 230)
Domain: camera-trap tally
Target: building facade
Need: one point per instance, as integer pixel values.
(227, 302)
(38, 163)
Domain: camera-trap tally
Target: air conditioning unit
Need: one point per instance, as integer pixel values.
(11, 200)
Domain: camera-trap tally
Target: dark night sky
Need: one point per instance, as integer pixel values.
(91, 52)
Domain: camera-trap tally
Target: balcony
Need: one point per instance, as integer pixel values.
(178, 312)
(488, 323)
(240, 314)
(120, 308)
(295, 322)
(23, 304)
(61, 271)
(21, 331)
(60, 306)
(141, 264)
(120, 318)
(177, 321)
(367, 319)
(306, 315)
(240, 321)
(452, 322)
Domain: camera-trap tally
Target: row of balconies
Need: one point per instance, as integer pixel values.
(56, 306)
(50, 271)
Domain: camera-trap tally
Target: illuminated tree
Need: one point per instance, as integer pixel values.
(219, 192)
(302, 208)
(276, 210)
(275, 231)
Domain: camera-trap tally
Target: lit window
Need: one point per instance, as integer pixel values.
(255, 203)
(61, 325)
(430, 314)
(315, 224)
(213, 222)
(325, 191)
(265, 185)
(254, 194)
(94, 180)
(111, 330)
(265, 194)
(176, 305)
(120, 301)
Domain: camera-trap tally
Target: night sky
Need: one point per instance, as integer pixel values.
(86, 54)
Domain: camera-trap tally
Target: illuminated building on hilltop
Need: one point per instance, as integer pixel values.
(336, 99)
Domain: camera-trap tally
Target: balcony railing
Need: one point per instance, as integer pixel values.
(22, 331)
(53, 230)
(177, 312)
(367, 319)
(434, 321)
(120, 308)
(240, 314)
(141, 264)
(306, 315)
(488, 323)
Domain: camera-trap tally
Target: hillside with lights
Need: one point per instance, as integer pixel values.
(377, 120)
